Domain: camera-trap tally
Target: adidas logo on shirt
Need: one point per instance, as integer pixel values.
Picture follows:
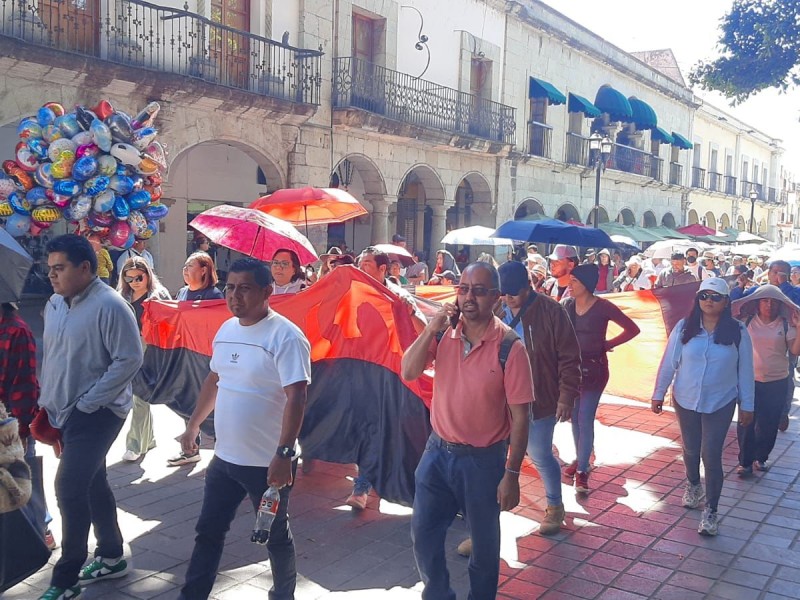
(235, 358)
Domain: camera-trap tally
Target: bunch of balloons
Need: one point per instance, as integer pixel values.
(96, 167)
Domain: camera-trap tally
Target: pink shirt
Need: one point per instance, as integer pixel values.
(471, 392)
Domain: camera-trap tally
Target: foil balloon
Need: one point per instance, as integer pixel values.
(19, 203)
(80, 207)
(67, 187)
(154, 212)
(44, 175)
(120, 209)
(66, 213)
(45, 116)
(103, 110)
(104, 201)
(62, 168)
(139, 199)
(29, 129)
(85, 117)
(147, 166)
(83, 138)
(155, 151)
(155, 179)
(60, 200)
(138, 223)
(147, 115)
(18, 225)
(45, 214)
(152, 229)
(119, 234)
(120, 128)
(37, 196)
(7, 186)
(58, 109)
(61, 148)
(121, 184)
(50, 133)
(87, 150)
(6, 210)
(68, 125)
(25, 158)
(18, 175)
(138, 183)
(155, 192)
(96, 184)
(106, 165)
(84, 168)
(101, 135)
(126, 154)
(38, 147)
(104, 219)
(144, 136)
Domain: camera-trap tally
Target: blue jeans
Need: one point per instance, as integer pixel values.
(583, 425)
(361, 485)
(226, 486)
(84, 496)
(449, 479)
(540, 449)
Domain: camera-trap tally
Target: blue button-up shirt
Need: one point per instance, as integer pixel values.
(707, 376)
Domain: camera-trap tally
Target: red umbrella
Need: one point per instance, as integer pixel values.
(696, 229)
(252, 232)
(310, 206)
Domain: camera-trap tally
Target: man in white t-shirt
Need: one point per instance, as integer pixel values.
(260, 369)
(139, 249)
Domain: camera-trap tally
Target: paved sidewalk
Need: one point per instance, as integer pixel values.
(628, 539)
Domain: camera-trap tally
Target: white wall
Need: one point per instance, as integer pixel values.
(286, 17)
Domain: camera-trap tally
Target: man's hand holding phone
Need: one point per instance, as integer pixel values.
(447, 315)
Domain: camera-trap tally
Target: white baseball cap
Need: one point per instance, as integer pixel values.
(562, 251)
(715, 284)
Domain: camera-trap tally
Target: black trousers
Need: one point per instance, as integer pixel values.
(757, 440)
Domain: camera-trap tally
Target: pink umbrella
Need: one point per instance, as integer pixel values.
(695, 229)
(252, 232)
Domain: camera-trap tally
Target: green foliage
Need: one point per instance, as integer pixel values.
(760, 49)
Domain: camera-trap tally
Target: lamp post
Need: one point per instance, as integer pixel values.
(600, 149)
(753, 198)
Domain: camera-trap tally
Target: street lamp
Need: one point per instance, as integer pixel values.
(600, 149)
(753, 198)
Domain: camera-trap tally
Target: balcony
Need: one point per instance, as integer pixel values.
(401, 97)
(675, 173)
(729, 183)
(714, 181)
(749, 186)
(577, 150)
(540, 137)
(622, 158)
(698, 178)
(167, 40)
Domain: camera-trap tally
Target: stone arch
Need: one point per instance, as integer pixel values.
(359, 175)
(626, 217)
(421, 208)
(603, 218)
(710, 220)
(359, 172)
(528, 207)
(668, 220)
(473, 203)
(740, 224)
(762, 227)
(649, 219)
(429, 179)
(567, 212)
(724, 222)
(691, 217)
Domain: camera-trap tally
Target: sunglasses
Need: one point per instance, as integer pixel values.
(137, 279)
(713, 296)
(477, 291)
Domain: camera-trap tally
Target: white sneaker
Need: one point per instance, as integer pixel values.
(709, 523)
(131, 456)
(693, 495)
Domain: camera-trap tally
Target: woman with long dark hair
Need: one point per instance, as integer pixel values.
(700, 355)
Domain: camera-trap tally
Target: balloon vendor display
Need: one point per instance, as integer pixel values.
(96, 167)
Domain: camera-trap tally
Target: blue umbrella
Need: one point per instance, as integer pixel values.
(552, 231)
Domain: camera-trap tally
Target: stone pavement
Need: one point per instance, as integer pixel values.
(629, 538)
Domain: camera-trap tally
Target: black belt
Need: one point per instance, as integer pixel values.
(465, 448)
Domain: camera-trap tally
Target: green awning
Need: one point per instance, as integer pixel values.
(660, 135)
(614, 103)
(579, 104)
(681, 142)
(636, 233)
(542, 89)
(644, 117)
(668, 233)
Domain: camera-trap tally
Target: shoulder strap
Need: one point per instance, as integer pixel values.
(531, 299)
(509, 338)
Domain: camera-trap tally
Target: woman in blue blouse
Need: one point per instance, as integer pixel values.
(700, 354)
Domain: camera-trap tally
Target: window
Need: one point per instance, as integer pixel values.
(540, 132)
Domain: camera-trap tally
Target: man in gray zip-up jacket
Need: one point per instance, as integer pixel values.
(92, 351)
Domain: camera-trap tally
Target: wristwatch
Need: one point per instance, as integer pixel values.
(285, 452)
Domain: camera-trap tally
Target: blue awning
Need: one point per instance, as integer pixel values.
(614, 103)
(643, 114)
(582, 105)
(660, 135)
(542, 89)
(681, 142)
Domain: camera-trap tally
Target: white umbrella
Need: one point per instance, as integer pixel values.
(788, 252)
(667, 248)
(744, 236)
(477, 235)
(396, 253)
(751, 249)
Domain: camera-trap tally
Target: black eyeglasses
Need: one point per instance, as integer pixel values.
(477, 291)
(713, 296)
(137, 279)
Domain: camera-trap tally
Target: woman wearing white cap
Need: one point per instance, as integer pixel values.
(633, 278)
(697, 363)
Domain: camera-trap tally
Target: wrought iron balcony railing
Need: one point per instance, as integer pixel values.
(540, 137)
(168, 40)
(730, 185)
(698, 177)
(633, 160)
(749, 186)
(361, 84)
(675, 173)
(577, 150)
(714, 181)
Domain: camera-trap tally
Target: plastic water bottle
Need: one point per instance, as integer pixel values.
(266, 515)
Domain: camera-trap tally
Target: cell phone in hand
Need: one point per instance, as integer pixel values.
(454, 317)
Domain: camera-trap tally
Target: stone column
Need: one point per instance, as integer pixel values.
(419, 234)
(438, 223)
(380, 218)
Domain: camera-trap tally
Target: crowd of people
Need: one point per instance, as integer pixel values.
(522, 347)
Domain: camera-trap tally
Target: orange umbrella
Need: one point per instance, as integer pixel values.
(310, 206)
